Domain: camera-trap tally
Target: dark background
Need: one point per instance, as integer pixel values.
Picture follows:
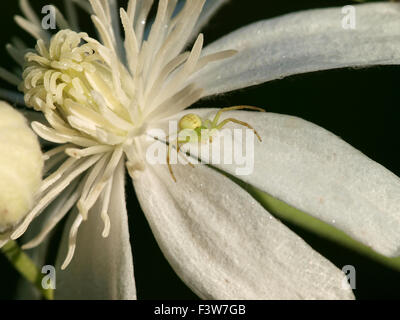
(359, 105)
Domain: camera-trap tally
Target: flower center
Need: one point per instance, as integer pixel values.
(71, 82)
(98, 99)
(79, 90)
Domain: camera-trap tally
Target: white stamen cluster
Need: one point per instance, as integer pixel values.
(99, 98)
(68, 83)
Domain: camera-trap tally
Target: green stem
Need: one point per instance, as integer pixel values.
(26, 267)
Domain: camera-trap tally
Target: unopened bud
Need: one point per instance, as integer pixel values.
(21, 166)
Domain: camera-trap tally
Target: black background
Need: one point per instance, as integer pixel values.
(359, 105)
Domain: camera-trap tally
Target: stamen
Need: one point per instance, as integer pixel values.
(214, 57)
(18, 43)
(59, 124)
(185, 22)
(131, 11)
(131, 44)
(16, 54)
(62, 23)
(72, 241)
(104, 209)
(60, 211)
(84, 5)
(104, 35)
(72, 15)
(88, 186)
(177, 103)
(181, 76)
(99, 10)
(9, 77)
(29, 12)
(90, 197)
(165, 72)
(48, 134)
(55, 176)
(155, 34)
(55, 151)
(53, 136)
(33, 29)
(49, 197)
(53, 162)
(115, 120)
(142, 19)
(82, 153)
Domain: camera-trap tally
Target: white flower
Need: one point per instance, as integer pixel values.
(101, 99)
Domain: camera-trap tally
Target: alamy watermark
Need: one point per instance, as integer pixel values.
(350, 279)
(349, 20)
(49, 278)
(49, 20)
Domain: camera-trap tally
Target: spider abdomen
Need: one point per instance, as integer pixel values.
(190, 121)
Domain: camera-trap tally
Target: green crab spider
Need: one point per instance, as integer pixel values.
(192, 122)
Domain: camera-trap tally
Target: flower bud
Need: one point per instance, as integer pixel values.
(21, 166)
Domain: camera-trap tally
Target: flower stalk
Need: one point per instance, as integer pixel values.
(26, 267)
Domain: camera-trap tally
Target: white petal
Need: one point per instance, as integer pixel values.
(224, 245)
(304, 42)
(101, 268)
(317, 172)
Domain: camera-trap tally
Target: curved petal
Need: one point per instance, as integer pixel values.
(224, 245)
(315, 171)
(101, 268)
(303, 42)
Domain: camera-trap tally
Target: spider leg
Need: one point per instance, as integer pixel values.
(179, 144)
(218, 115)
(169, 163)
(186, 157)
(207, 123)
(223, 123)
